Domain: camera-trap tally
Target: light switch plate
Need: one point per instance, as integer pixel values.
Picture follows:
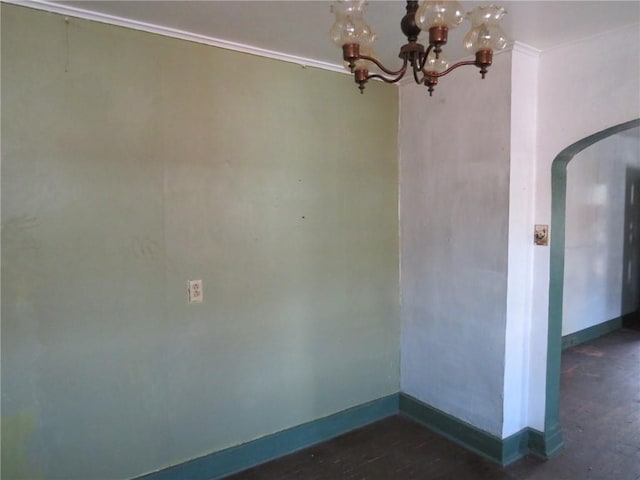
(195, 291)
(541, 235)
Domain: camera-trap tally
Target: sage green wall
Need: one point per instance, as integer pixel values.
(132, 163)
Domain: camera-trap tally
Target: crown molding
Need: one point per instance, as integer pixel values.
(75, 12)
(71, 11)
(526, 49)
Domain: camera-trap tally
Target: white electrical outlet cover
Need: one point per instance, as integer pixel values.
(195, 291)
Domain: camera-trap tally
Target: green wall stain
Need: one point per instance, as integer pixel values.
(16, 432)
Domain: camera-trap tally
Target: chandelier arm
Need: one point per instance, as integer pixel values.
(385, 79)
(452, 67)
(415, 75)
(400, 72)
(423, 60)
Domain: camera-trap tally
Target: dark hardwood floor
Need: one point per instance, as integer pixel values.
(600, 411)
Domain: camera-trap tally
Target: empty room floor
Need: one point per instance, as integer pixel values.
(600, 412)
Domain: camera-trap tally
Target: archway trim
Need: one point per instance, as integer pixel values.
(553, 440)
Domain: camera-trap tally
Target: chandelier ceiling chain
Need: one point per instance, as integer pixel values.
(355, 37)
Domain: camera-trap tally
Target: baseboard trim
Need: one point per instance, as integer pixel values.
(546, 445)
(462, 433)
(220, 464)
(591, 333)
(501, 451)
(515, 446)
(235, 459)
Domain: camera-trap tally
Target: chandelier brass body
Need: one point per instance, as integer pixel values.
(413, 54)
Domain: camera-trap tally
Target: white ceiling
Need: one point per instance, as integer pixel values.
(300, 28)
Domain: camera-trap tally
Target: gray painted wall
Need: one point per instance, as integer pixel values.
(454, 217)
(132, 163)
(602, 233)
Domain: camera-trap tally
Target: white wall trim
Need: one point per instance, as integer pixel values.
(212, 41)
(526, 49)
(175, 33)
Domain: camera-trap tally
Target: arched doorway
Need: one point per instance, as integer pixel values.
(553, 431)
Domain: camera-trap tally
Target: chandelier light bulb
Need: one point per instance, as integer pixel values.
(439, 14)
(486, 32)
(349, 26)
(433, 64)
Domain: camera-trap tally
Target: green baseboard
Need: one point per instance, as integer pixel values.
(515, 447)
(546, 445)
(467, 435)
(596, 331)
(502, 451)
(235, 459)
(222, 463)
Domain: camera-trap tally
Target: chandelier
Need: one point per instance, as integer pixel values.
(354, 36)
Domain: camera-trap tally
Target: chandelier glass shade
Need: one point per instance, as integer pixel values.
(352, 33)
